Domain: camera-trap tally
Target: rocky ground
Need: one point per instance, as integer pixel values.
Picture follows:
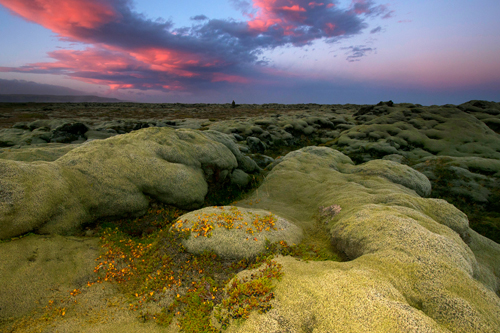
(367, 188)
(456, 147)
(11, 113)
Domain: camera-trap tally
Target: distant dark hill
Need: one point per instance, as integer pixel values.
(18, 98)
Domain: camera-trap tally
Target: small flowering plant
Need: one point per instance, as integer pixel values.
(231, 218)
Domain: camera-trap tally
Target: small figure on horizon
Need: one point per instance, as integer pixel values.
(233, 104)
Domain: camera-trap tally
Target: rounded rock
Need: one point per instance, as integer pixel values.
(234, 232)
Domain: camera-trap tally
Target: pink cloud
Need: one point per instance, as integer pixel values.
(287, 14)
(90, 59)
(115, 69)
(71, 19)
(329, 28)
(262, 23)
(115, 86)
(294, 8)
(65, 17)
(132, 52)
(296, 16)
(315, 4)
(166, 60)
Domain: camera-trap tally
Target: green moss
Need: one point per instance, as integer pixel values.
(149, 268)
(483, 218)
(248, 294)
(14, 238)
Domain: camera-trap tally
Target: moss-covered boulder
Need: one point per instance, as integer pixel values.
(233, 232)
(17, 136)
(456, 147)
(396, 173)
(44, 152)
(411, 264)
(472, 177)
(113, 177)
(471, 183)
(416, 132)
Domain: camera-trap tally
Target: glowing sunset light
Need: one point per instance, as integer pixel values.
(167, 61)
(120, 86)
(263, 24)
(90, 59)
(257, 51)
(315, 4)
(217, 77)
(65, 17)
(294, 8)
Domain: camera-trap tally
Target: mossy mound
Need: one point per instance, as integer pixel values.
(412, 264)
(43, 152)
(115, 177)
(456, 147)
(417, 132)
(471, 183)
(233, 232)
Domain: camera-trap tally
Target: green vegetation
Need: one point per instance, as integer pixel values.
(154, 267)
(33, 116)
(14, 238)
(248, 294)
(165, 284)
(483, 218)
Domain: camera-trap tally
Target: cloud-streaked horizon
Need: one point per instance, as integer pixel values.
(126, 50)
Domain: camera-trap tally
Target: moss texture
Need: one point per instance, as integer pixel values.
(234, 232)
(410, 261)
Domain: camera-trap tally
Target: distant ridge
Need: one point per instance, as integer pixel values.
(20, 98)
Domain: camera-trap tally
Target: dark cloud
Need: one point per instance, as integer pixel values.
(131, 51)
(199, 18)
(377, 29)
(354, 53)
(244, 6)
(369, 8)
(388, 15)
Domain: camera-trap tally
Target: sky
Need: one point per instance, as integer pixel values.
(253, 51)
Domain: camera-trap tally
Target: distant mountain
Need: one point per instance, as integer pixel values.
(23, 87)
(20, 98)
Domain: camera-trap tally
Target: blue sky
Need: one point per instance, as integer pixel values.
(255, 51)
